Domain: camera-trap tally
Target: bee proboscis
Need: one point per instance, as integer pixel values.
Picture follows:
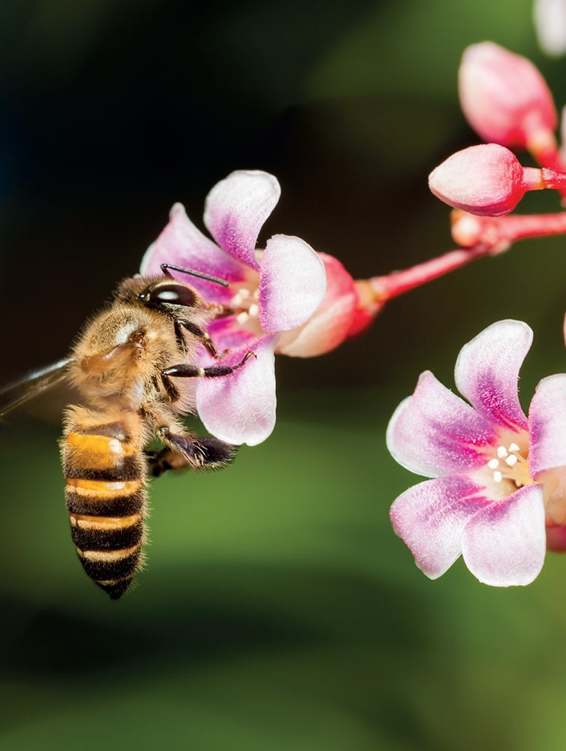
(124, 365)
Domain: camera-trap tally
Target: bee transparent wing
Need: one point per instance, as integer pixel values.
(31, 385)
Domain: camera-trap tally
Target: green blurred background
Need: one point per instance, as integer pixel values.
(278, 611)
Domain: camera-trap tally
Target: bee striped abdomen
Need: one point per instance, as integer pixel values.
(105, 494)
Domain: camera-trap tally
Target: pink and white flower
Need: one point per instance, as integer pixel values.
(271, 292)
(499, 477)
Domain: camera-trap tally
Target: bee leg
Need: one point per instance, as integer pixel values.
(184, 370)
(203, 337)
(182, 448)
(181, 343)
(185, 450)
(200, 453)
(164, 460)
(170, 388)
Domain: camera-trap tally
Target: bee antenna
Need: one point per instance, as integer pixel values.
(165, 267)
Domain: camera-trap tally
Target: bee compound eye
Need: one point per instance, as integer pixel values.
(170, 293)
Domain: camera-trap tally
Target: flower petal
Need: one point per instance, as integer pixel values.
(181, 243)
(240, 408)
(430, 518)
(487, 372)
(292, 283)
(322, 333)
(226, 333)
(504, 544)
(236, 209)
(330, 324)
(547, 425)
(434, 432)
(550, 25)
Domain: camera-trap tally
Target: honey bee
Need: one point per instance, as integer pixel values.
(123, 366)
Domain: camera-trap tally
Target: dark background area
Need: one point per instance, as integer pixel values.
(278, 611)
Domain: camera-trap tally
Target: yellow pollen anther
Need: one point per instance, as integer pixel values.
(501, 452)
(493, 463)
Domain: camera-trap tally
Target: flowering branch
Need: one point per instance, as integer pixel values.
(497, 497)
(399, 282)
(479, 236)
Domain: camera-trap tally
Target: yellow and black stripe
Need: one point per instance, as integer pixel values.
(105, 494)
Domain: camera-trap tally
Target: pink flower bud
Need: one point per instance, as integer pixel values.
(556, 538)
(487, 180)
(505, 98)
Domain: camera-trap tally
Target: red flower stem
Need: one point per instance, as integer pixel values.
(398, 282)
(553, 180)
(543, 179)
(490, 236)
(498, 232)
(520, 226)
(543, 147)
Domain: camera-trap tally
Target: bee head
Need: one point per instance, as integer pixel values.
(158, 293)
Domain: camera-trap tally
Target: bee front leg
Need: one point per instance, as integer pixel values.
(203, 337)
(184, 370)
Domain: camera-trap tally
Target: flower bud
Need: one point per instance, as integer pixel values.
(556, 538)
(487, 180)
(505, 98)
(471, 230)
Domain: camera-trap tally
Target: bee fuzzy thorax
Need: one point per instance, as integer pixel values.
(119, 353)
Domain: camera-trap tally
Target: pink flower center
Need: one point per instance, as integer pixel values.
(245, 304)
(508, 470)
(510, 464)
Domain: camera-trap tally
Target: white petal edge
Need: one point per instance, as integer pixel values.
(434, 432)
(504, 545)
(547, 424)
(292, 283)
(237, 208)
(430, 518)
(487, 371)
(241, 408)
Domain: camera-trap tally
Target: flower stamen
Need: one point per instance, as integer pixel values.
(510, 464)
